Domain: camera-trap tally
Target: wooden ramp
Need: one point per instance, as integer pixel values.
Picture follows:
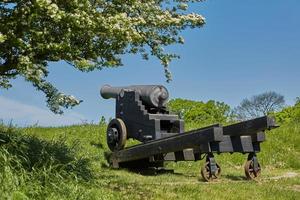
(243, 137)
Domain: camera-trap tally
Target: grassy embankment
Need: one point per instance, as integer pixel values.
(69, 163)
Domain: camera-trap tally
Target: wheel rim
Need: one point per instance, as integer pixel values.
(251, 174)
(116, 135)
(206, 173)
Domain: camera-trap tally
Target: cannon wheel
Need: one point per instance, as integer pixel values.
(206, 172)
(250, 173)
(116, 134)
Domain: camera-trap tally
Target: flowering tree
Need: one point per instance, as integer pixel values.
(87, 34)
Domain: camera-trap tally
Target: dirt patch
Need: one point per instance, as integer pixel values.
(286, 175)
(296, 188)
(229, 179)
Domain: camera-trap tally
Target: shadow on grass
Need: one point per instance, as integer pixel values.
(33, 154)
(153, 171)
(142, 167)
(97, 145)
(235, 178)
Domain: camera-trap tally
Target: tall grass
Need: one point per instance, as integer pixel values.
(32, 167)
(69, 163)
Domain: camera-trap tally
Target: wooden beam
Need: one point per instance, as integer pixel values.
(174, 143)
(250, 127)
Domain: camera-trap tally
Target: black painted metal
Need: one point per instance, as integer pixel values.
(212, 164)
(143, 112)
(152, 95)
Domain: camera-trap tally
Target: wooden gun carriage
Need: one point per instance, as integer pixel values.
(141, 114)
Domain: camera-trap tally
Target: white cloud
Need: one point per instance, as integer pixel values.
(25, 115)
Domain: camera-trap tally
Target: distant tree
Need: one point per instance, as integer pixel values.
(87, 34)
(259, 105)
(297, 100)
(102, 121)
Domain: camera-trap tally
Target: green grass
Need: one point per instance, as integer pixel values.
(69, 163)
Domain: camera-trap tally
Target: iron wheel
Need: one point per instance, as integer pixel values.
(116, 134)
(206, 172)
(250, 173)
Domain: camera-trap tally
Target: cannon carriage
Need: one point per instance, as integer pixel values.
(141, 114)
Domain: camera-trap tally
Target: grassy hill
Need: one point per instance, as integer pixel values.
(69, 163)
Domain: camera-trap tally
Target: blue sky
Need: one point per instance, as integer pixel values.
(246, 48)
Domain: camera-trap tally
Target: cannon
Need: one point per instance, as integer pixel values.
(141, 114)
(152, 95)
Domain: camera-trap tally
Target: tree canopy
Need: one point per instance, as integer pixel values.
(200, 113)
(289, 113)
(87, 34)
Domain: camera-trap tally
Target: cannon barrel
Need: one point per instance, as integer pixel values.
(152, 95)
